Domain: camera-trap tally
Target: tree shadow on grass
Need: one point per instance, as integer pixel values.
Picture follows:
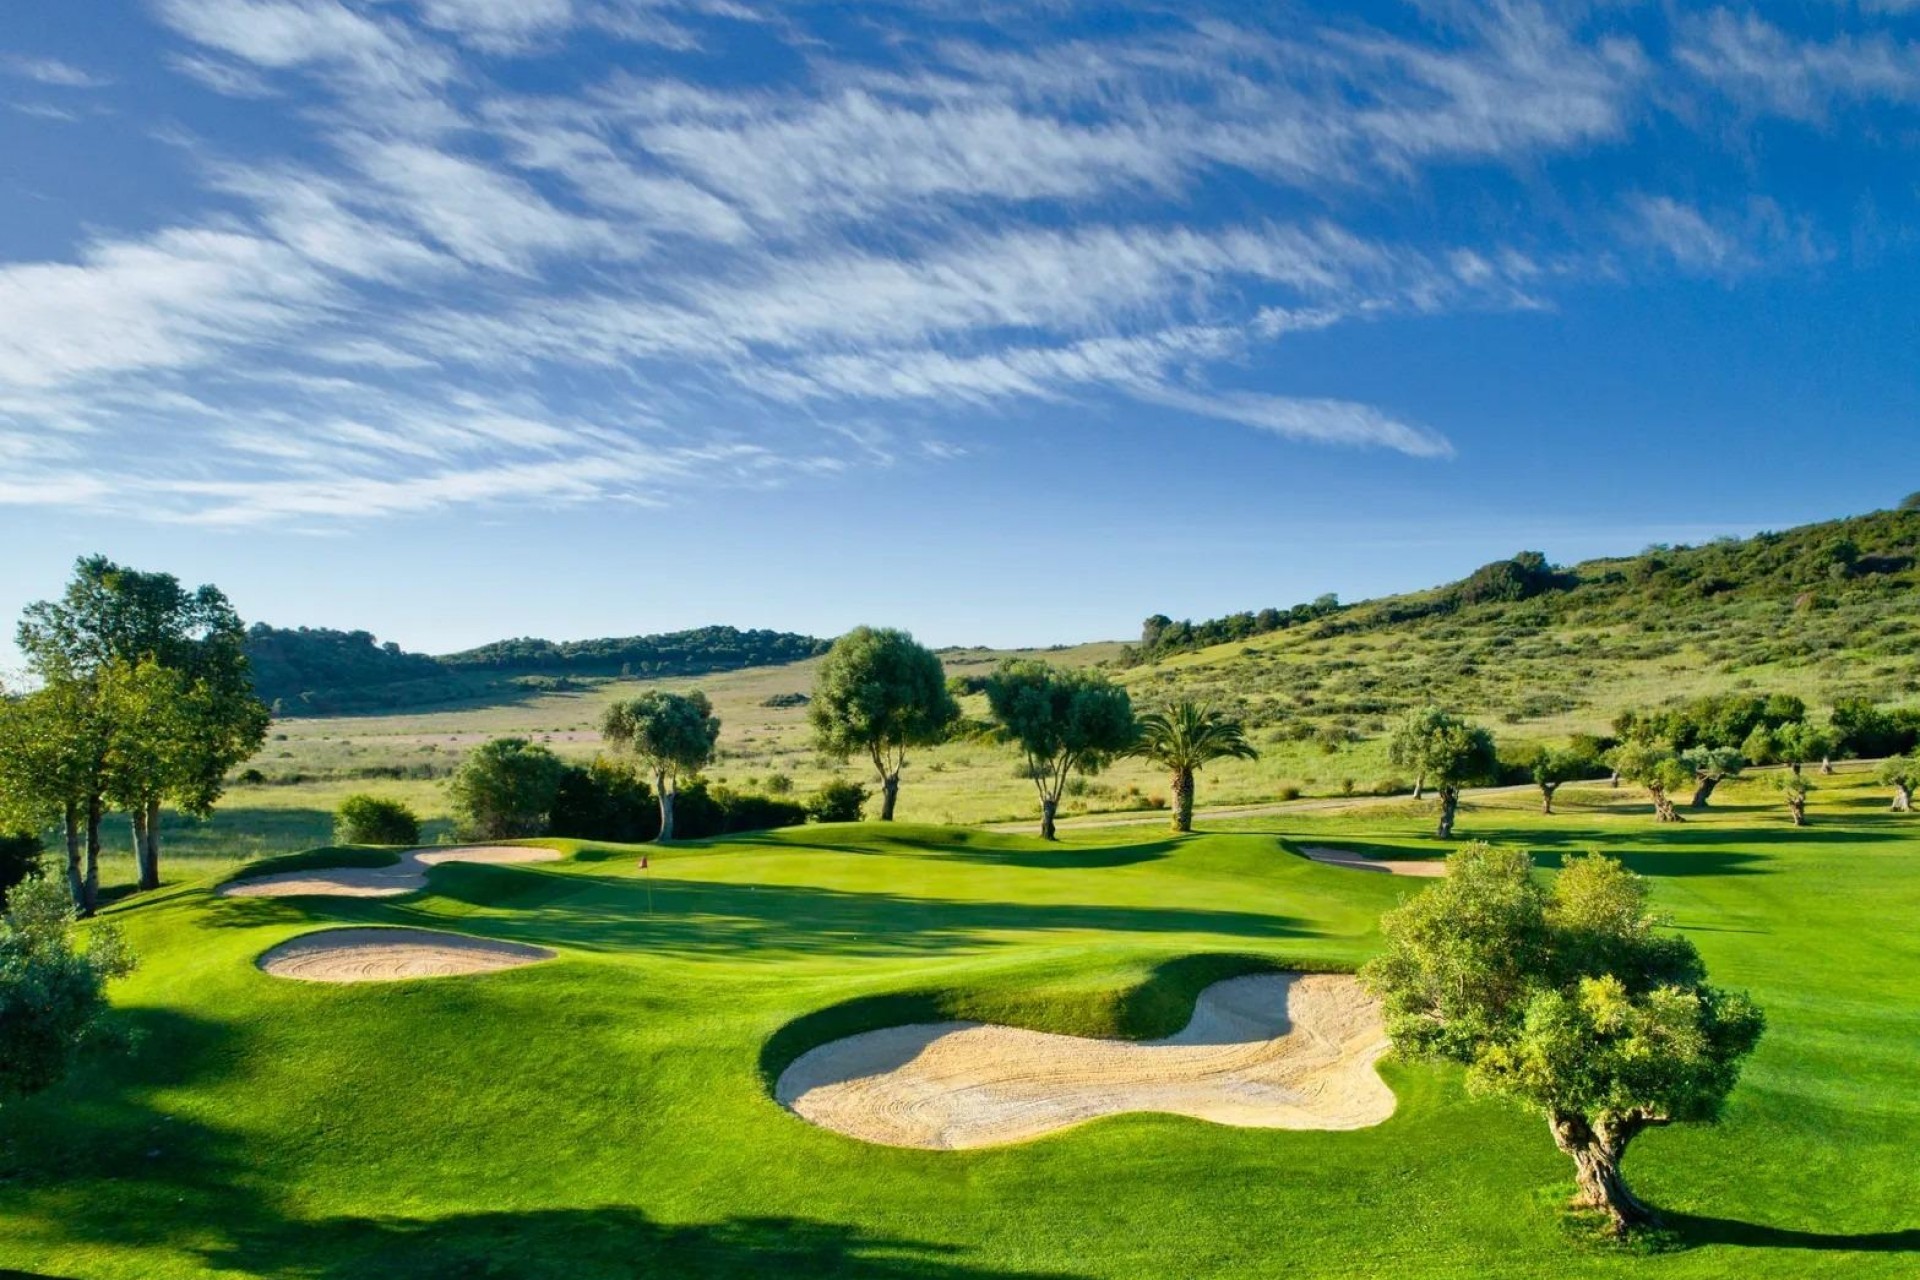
(1695, 1230)
(612, 1241)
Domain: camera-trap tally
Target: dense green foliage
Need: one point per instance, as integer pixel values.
(20, 857)
(837, 800)
(1161, 635)
(604, 801)
(505, 790)
(679, 653)
(878, 694)
(319, 671)
(52, 992)
(672, 737)
(365, 819)
(1065, 722)
(1571, 999)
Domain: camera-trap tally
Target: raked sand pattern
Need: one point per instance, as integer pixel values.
(403, 877)
(1276, 1051)
(390, 955)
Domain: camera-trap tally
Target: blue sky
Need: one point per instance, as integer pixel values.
(455, 319)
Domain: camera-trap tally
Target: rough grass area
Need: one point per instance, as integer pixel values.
(607, 1114)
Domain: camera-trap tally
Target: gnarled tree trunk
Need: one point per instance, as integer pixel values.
(1826, 764)
(889, 795)
(1183, 799)
(1048, 808)
(1596, 1155)
(1546, 796)
(1449, 806)
(1704, 790)
(1798, 808)
(1419, 785)
(1663, 809)
(1902, 798)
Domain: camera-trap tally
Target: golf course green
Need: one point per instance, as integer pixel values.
(611, 1112)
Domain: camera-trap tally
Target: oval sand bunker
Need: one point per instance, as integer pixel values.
(404, 876)
(1273, 1051)
(388, 955)
(1360, 862)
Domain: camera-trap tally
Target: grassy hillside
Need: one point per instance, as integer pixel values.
(609, 1114)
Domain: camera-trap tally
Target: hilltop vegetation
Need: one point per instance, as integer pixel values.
(319, 671)
(1826, 612)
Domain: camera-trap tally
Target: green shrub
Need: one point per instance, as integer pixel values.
(604, 801)
(1289, 792)
(505, 790)
(701, 810)
(837, 800)
(19, 858)
(364, 819)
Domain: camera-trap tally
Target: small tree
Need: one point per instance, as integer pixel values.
(365, 819)
(1655, 767)
(1711, 766)
(671, 735)
(837, 800)
(1572, 1001)
(1448, 752)
(1186, 738)
(1551, 769)
(53, 999)
(1902, 773)
(1793, 788)
(1064, 721)
(505, 790)
(1801, 741)
(879, 694)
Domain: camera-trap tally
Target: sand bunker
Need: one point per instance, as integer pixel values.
(387, 955)
(1273, 1051)
(1354, 861)
(404, 876)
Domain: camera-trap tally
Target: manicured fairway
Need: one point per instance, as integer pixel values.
(608, 1113)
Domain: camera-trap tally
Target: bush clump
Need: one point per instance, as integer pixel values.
(837, 800)
(364, 819)
(19, 858)
(604, 801)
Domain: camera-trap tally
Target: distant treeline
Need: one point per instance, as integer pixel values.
(320, 671)
(681, 653)
(1161, 635)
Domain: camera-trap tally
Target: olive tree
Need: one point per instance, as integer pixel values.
(1902, 773)
(1656, 768)
(1711, 766)
(505, 790)
(879, 694)
(1551, 768)
(1446, 751)
(1184, 739)
(1572, 1000)
(671, 735)
(53, 1000)
(1065, 721)
(1793, 788)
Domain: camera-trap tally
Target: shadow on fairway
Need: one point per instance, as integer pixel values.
(698, 917)
(586, 1244)
(1695, 1230)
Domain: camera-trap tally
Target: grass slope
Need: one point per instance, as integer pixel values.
(609, 1114)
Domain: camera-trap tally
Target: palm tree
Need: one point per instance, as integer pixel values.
(1184, 739)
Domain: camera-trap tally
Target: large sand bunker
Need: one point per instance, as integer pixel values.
(404, 876)
(387, 955)
(1358, 862)
(1273, 1051)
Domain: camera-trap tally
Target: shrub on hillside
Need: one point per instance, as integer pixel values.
(19, 858)
(604, 801)
(837, 800)
(364, 819)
